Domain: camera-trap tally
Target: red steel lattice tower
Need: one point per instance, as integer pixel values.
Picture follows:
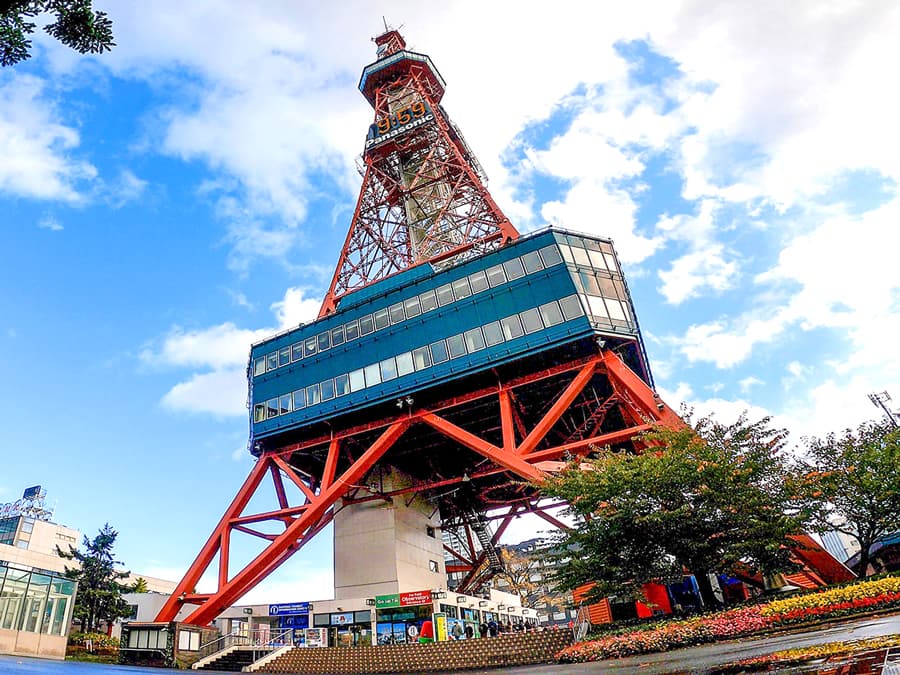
(474, 438)
(423, 196)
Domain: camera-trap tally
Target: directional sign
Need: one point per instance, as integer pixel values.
(289, 608)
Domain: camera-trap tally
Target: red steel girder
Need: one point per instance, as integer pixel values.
(526, 460)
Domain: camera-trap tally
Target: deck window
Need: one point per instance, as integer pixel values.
(296, 351)
(272, 408)
(396, 312)
(531, 319)
(474, 340)
(439, 352)
(514, 269)
(373, 375)
(461, 288)
(337, 336)
(551, 314)
(259, 365)
(310, 346)
(327, 387)
(444, 295)
(405, 364)
(357, 380)
(388, 369)
(382, 319)
(571, 307)
(324, 341)
(532, 262)
(299, 399)
(496, 275)
(493, 334)
(341, 385)
(351, 330)
(512, 327)
(312, 394)
(456, 346)
(259, 412)
(272, 361)
(421, 358)
(478, 281)
(366, 324)
(412, 306)
(428, 300)
(550, 255)
(284, 404)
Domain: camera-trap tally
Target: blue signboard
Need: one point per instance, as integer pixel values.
(289, 608)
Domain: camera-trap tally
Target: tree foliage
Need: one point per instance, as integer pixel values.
(77, 26)
(99, 596)
(853, 482)
(709, 499)
(140, 586)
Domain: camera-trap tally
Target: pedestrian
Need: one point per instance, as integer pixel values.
(483, 629)
(492, 628)
(470, 632)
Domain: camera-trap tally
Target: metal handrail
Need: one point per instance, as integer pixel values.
(253, 638)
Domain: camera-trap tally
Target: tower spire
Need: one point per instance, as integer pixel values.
(423, 197)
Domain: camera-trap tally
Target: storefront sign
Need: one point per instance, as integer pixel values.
(289, 608)
(440, 626)
(415, 598)
(385, 601)
(410, 599)
(344, 619)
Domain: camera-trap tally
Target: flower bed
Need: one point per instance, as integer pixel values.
(851, 599)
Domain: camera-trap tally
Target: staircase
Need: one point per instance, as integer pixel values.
(483, 534)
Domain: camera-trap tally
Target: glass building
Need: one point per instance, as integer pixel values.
(34, 601)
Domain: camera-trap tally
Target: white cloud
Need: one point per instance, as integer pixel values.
(749, 382)
(49, 222)
(36, 146)
(127, 188)
(221, 352)
(691, 273)
(295, 309)
(222, 393)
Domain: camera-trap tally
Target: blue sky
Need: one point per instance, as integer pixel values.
(164, 205)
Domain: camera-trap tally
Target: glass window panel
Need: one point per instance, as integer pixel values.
(493, 334)
(351, 330)
(388, 369)
(512, 327)
(550, 255)
(337, 336)
(496, 275)
(607, 288)
(598, 309)
(444, 295)
(272, 408)
(428, 300)
(421, 358)
(373, 375)
(597, 261)
(284, 404)
(591, 244)
(382, 319)
(396, 312)
(551, 313)
(284, 356)
(259, 365)
(310, 346)
(615, 309)
(296, 351)
(474, 340)
(324, 341)
(272, 361)
(405, 364)
(589, 283)
(574, 241)
(461, 288)
(571, 307)
(620, 288)
(606, 247)
(514, 269)
(566, 252)
(366, 325)
(456, 346)
(341, 385)
(478, 282)
(412, 306)
(299, 397)
(439, 352)
(531, 319)
(312, 394)
(611, 262)
(259, 412)
(532, 262)
(327, 387)
(581, 256)
(357, 380)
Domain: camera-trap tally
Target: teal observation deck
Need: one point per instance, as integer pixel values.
(411, 336)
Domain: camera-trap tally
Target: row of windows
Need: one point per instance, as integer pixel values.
(412, 307)
(476, 339)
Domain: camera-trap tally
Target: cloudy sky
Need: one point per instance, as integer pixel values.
(164, 205)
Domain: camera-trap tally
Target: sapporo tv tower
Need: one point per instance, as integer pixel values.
(453, 363)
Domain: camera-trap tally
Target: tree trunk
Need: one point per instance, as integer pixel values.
(864, 547)
(710, 601)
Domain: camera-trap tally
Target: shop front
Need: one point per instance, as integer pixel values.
(345, 628)
(399, 616)
(293, 617)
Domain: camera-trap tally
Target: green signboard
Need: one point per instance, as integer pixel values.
(385, 601)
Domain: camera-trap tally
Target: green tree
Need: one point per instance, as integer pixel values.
(523, 573)
(709, 499)
(854, 481)
(76, 26)
(99, 595)
(139, 586)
